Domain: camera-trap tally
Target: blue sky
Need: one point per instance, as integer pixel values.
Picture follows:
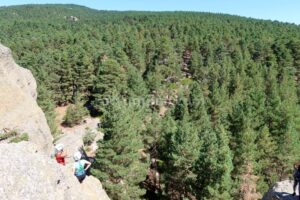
(281, 10)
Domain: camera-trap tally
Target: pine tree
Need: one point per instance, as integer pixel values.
(135, 82)
(168, 58)
(199, 72)
(214, 163)
(206, 166)
(179, 148)
(110, 81)
(64, 92)
(196, 104)
(287, 130)
(154, 78)
(218, 104)
(83, 75)
(214, 166)
(245, 162)
(294, 46)
(135, 53)
(273, 102)
(118, 161)
(243, 141)
(266, 159)
(224, 185)
(181, 108)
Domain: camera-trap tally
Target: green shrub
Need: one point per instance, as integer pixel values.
(87, 149)
(20, 138)
(9, 134)
(89, 137)
(74, 115)
(172, 86)
(186, 81)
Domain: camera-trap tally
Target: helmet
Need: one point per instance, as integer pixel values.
(59, 147)
(77, 156)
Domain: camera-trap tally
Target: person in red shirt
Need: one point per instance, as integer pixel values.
(60, 154)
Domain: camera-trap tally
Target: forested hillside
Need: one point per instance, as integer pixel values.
(193, 105)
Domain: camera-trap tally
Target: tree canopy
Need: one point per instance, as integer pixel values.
(193, 105)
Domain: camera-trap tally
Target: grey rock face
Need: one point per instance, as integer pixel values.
(18, 108)
(16, 75)
(282, 191)
(27, 174)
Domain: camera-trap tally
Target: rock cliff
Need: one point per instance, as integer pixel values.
(18, 108)
(27, 174)
(26, 169)
(281, 191)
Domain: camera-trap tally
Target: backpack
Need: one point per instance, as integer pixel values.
(79, 169)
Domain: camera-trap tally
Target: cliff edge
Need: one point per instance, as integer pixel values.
(18, 108)
(26, 169)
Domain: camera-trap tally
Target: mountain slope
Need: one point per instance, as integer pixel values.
(230, 87)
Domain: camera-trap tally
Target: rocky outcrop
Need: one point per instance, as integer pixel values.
(71, 18)
(281, 191)
(27, 174)
(18, 108)
(26, 169)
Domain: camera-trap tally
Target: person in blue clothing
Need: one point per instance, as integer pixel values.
(80, 167)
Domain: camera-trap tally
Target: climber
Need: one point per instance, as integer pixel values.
(60, 154)
(296, 178)
(80, 167)
(84, 156)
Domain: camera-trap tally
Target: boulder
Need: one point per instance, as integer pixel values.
(282, 191)
(19, 110)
